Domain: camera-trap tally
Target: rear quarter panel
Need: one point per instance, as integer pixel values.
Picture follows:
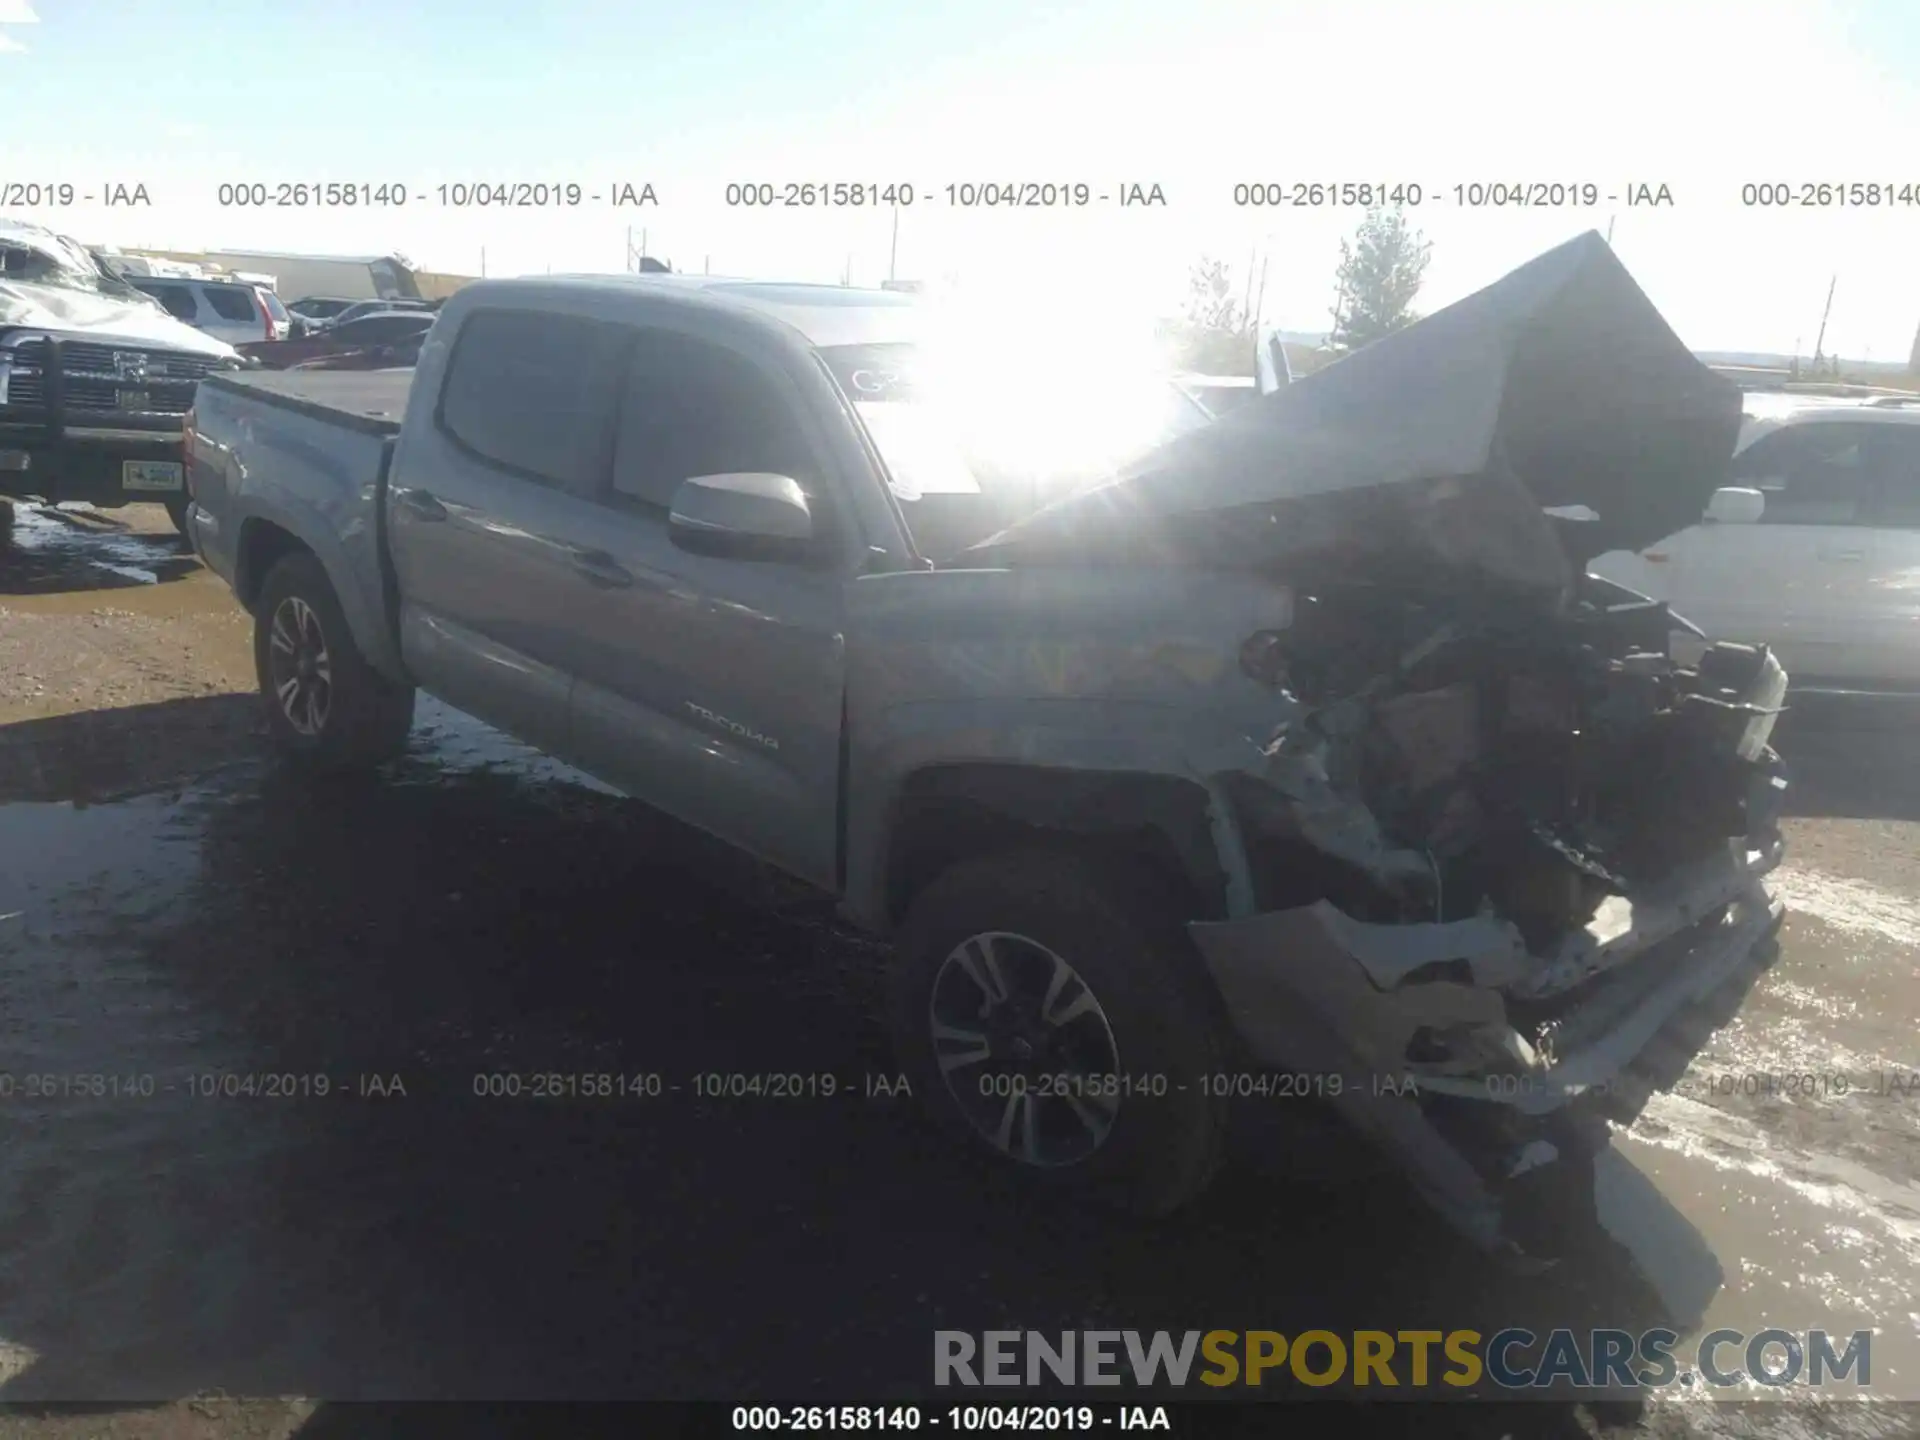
(258, 464)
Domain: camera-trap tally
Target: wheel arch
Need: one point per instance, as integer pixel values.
(1158, 827)
(264, 539)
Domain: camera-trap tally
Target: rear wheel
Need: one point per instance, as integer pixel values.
(1058, 1018)
(327, 708)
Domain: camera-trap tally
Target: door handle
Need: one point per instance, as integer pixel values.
(421, 505)
(601, 569)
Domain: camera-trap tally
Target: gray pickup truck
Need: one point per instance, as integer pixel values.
(1294, 755)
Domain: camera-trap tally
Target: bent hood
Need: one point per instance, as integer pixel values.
(68, 296)
(1559, 386)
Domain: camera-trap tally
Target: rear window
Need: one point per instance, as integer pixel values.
(230, 302)
(272, 302)
(538, 394)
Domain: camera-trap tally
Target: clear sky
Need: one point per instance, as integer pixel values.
(1702, 96)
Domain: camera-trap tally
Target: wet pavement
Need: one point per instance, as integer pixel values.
(275, 1018)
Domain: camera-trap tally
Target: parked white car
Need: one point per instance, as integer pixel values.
(225, 309)
(1814, 550)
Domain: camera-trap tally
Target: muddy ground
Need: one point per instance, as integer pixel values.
(174, 908)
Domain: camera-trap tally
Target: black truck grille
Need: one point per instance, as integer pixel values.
(87, 361)
(105, 380)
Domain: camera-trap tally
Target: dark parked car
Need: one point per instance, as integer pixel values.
(360, 309)
(399, 355)
(366, 333)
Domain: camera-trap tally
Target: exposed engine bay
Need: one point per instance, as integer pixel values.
(1525, 764)
(1495, 851)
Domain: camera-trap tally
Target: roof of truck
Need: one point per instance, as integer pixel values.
(825, 315)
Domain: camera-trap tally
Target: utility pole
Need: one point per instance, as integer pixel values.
(1610, 220)
(1253, 320)
(483, 262)
(1820, 340)
(893, 250)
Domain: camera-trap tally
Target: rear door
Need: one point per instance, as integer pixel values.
(489, 506)
(712, 687)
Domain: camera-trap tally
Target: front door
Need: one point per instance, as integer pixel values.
(707, 686)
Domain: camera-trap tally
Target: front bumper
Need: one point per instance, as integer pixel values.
(68, 426)
(1531, 1078)
(82, 462)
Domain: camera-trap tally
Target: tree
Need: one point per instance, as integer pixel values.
(1381, 268)
(1215, 336)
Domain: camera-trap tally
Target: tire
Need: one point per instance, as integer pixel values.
(356, 718)
(177, 513)
(1151, 1002)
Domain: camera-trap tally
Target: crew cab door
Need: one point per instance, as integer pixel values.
(709, 686)
(1801, 579)
(491, 498)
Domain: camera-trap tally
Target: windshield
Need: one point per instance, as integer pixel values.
(969, 447)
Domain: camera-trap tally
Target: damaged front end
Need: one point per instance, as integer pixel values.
(1500, 869)
(1506, 873)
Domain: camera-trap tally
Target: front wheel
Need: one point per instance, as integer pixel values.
(327, 708)
(1057, 1016)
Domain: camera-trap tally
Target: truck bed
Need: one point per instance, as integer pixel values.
(371, 401)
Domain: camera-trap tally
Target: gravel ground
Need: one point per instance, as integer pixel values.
(173, 908)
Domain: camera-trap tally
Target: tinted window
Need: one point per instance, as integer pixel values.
(695, 408)
(378, 329)
(1819, 474)
(177, 298)
(536, 393)
(230, 302)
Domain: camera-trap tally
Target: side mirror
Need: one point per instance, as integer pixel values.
(1736, 505)
(751, 516)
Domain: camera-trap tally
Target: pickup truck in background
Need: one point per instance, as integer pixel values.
(1290, 753)
(95, 379)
